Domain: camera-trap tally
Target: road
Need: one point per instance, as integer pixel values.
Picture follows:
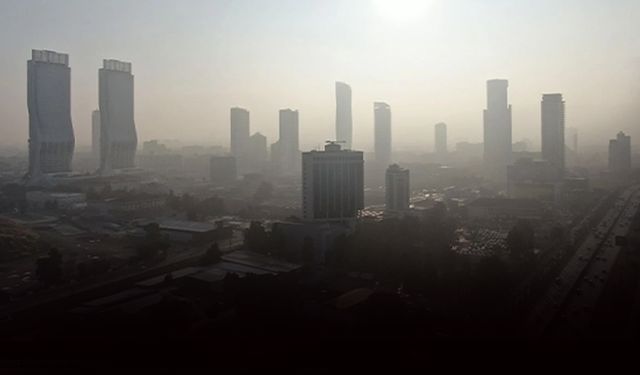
(575, 292)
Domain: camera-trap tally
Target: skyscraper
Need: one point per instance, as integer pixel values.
(553, 147)
(497, 129)
(332, 183)
(440, 137)
(285, 153)
(95, 134)
(397, 189)
(51, 138)
(382, 131)
(240, 130)
(257, 153)
(344, 122)
(118, 137)
(620, 154)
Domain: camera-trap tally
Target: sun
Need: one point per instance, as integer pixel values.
(402, 11)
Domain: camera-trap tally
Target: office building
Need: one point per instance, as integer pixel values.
(95, 134)
(382, 133)
(285, 153)
(223, 169)
(332, 183)
(497, 129)
(51, 138)
(440, 137)
(240, 131)
(397, 189)
(118, 137)
(344, 122)
(257, 153)
(553, 145)
(620, 154)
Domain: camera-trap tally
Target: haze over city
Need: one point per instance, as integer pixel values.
(428, 60)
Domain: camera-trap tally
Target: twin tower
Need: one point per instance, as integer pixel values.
(51, 137)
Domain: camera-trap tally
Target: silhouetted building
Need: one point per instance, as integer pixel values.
(285, 153)
(497, 129)
(382, 130)
(501, 208)
(95, 133)
(118, 137)
(553, 147)
(344, 122)
(51, 138)
(240, 131)
(440, 148)
(223, 169)
(397, 191)
(257, 153)
(620, 154)
(332, 183)
(535, 179)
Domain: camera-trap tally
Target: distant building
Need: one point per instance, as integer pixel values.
(553, 146)
(53, 200)
(188, 231)
(95, 134)
(223, 169)
(51, 138)
(332, 183)
(382, 133)
(344, 121)
(620, 154)
(240, 132)
(397, 192)
(534, 179)
(118, 136)
(497, 129)
(502, 208)
(285, 153)
(440, 146)
(572, 139)
(258, 155)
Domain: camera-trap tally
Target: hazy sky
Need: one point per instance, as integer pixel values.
(192, 60)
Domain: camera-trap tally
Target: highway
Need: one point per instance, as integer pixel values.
(566, 308)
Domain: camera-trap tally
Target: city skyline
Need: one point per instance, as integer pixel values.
(201, 95)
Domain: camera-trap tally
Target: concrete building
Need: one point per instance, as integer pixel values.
(397, 190)
(332, 183)
(344, 121)
(285, 153)
(118, 137)
(501, 208)
(620, 154)
(497, 129)
(258, 155)
(223, 169)
(440, 137)
(553, 145)
(51, 138)
(95, 134)
(382, 133)
(534, 179)
(240, 133)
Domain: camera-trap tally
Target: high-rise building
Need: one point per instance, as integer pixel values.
(344, 122)
(620, 154)
(382, 131)
(51, 138)
(497, 129)
(553, 147)
(223, 169)
(440, 148)
(285, 153)
(397, 189)
(95, 133)
(332, 183)
(257, 152)
(240, 131)
(118, 137)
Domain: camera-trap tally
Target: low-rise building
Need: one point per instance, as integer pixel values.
(504, 208)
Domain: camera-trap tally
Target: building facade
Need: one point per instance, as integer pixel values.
(95, 134)
(440, 136)
(620, 154)
(332, 184)
(344, 121)
(553, 144)
(240, 131)
(51, 138)
(382, 133)
(285, 153)
(118, 136)
(397, 190)
(497, 129)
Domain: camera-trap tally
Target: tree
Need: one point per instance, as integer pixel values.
(49, 268)
(213, 255)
